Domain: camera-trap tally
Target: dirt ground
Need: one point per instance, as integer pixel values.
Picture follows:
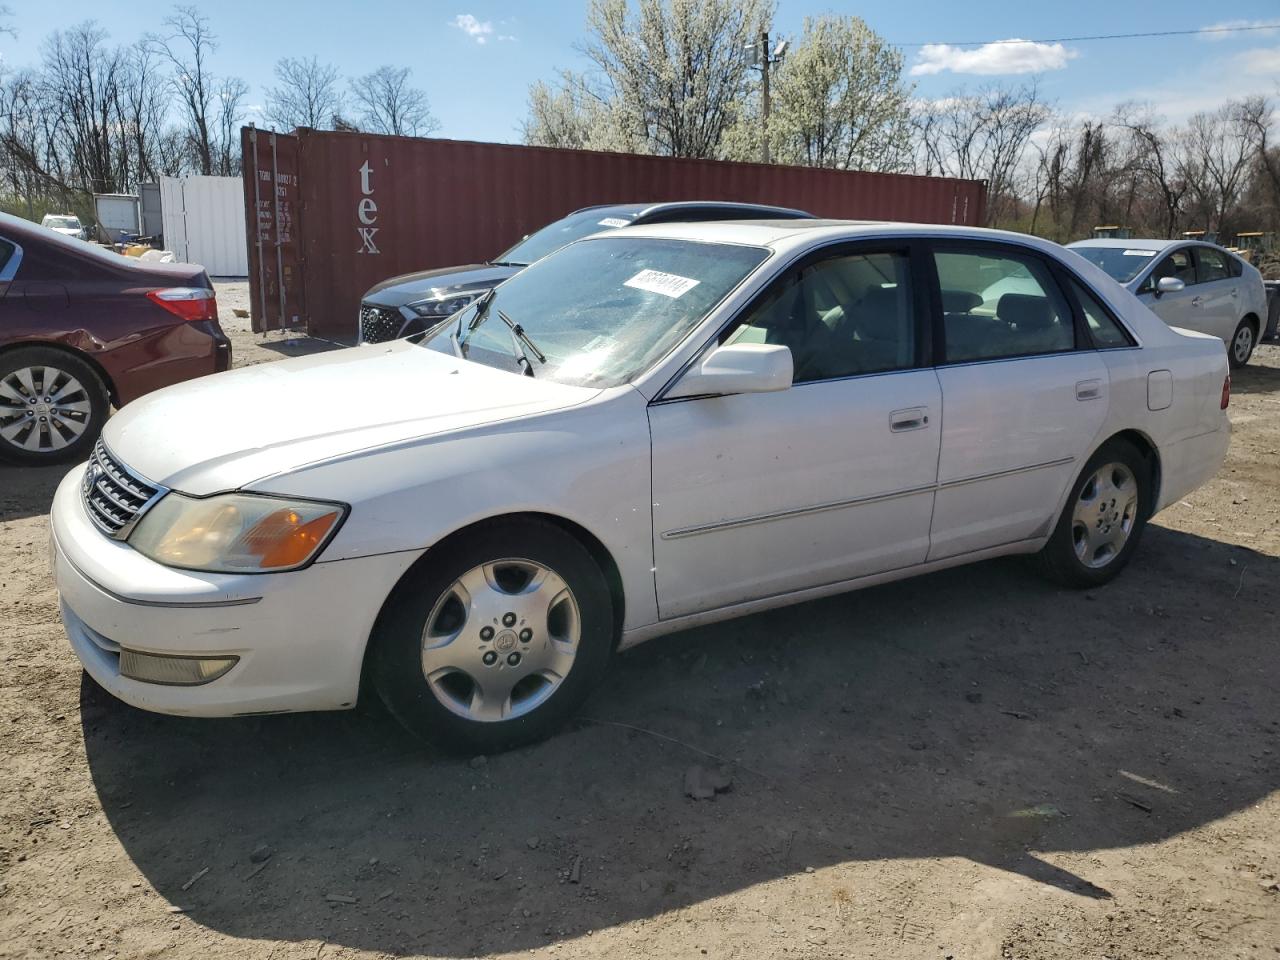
(969, 765)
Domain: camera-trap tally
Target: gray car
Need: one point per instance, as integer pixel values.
(413, 302)
(1196, 286)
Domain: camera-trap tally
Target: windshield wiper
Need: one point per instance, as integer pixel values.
(520, 340)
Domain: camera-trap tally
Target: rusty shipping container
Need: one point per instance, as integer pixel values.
(330, 214)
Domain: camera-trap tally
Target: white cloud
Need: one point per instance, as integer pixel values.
(1002, 57)
(478, 30)
(1222, 28)
(1263, 62)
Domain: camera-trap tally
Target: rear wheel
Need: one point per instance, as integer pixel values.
(1242, 342)
(52, 406)
(493, 643)
(1103, 519)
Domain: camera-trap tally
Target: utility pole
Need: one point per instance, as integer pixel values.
(764, 94)
(762, 58)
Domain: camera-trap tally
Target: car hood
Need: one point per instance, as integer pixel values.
(225, 431)
(408, 287)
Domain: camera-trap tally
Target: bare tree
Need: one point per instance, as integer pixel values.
(981, 136)
(188, 46)
(306, 94)
(1155, 154)
(1221, 147)
(387, 104)
(81, 86)
(230, 101)
(839, 100)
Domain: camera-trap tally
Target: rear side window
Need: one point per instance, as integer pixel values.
(1236, 266)
(997, 305)
(6, 251)
(1211, 265)
(1103, 327)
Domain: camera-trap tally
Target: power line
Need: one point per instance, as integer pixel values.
(1101, 36)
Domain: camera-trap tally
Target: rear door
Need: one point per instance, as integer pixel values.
(1217, 299)
(1022, 400)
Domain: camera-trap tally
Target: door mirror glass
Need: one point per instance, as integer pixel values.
(737, 368)
(1169, 285)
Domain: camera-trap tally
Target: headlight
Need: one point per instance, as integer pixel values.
(235, 533)
(443, 308)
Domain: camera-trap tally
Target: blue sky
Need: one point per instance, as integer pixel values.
(476, 58)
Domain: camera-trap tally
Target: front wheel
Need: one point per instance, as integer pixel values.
(1242, 342)
(52, 406)
(493, 642)
(1103, 518)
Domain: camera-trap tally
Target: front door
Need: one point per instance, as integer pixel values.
(1022, 406)
(757, 495)
(1175, 309)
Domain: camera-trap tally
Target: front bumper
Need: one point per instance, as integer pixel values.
(300, 636)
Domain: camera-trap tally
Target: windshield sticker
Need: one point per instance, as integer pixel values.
(614, 222)
(668, 284)
(1139, 253)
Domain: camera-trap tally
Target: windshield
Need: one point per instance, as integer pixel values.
(63, 223)
(603, 311)
(554, 236)
(1123, 263)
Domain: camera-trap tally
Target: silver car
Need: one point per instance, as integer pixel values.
(1196, 286)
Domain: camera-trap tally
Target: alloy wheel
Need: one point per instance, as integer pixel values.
(500, 640)
(43, 409)
(1104, 515)
(1242, 345)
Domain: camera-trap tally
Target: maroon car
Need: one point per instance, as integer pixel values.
(82, 328)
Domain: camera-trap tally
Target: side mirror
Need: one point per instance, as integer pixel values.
(737, 368)
(1169, 285)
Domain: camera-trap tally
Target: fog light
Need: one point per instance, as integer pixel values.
(173, 671)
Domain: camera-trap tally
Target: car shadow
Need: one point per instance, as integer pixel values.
(28, 491)
(975, 713)
(1255, 378)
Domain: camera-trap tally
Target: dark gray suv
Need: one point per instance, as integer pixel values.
(413, 302)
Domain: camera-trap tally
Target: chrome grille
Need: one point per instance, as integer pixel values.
(115, 497)
(379, 324)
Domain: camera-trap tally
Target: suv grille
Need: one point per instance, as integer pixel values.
(379, 324)
(114, 497)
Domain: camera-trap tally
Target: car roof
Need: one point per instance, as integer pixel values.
(644, 211)
(779, 233)
(1134, 243)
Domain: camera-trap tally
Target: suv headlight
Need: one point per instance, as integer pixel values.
(236, 532)
(445, 307)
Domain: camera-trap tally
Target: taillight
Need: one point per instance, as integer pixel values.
(189, 303)
(1226, 392)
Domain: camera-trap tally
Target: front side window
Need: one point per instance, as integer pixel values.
(841, 317)
(997, 305)
(1177, 264)
(1211, 265)
(599, 312)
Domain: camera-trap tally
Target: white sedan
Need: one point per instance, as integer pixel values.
(1191, 285)
(650, 429)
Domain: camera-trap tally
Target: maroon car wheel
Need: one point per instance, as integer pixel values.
(52, 406)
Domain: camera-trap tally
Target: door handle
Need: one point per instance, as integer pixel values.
(1196, 301)
(910, 418)
(1235, 293)
(1088, 389)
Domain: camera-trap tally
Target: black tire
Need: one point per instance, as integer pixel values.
(396, 659)
(1059, 558)
(1239, 351)
(54, 367)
